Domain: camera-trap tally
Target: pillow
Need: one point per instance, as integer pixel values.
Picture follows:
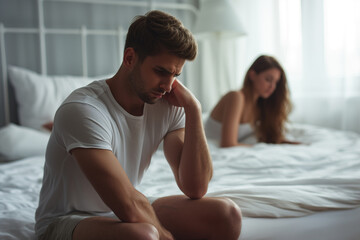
(17, 142)
(38, 97)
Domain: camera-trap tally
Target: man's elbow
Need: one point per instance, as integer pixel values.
(196, 192)
(196, 187)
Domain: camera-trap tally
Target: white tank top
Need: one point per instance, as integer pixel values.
(213, 129)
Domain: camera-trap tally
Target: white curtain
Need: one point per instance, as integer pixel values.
(317, 42)
(212, 73)
(328, 90)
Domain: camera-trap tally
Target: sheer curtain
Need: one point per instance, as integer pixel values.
(328, 90)
(213, 72)
(317, 42)
(222, 62)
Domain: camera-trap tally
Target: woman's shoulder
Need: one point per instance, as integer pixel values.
(234, 96)
(232, 101)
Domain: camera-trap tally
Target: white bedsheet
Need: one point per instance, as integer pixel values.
(279, 180)
(265, 180)
(20, 184)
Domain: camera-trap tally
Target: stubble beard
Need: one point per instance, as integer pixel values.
(137, 86)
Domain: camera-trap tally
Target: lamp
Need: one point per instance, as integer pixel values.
(216, 26)
(218, 16)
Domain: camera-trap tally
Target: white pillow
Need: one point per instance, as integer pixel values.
(17, 142)
(38, 97)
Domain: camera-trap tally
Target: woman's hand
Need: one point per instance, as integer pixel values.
(290, 142)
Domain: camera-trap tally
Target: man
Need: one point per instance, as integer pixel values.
(104, 135)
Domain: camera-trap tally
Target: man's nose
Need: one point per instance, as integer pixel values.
(166, 84)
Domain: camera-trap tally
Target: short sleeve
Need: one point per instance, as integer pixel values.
(177, 116)
(80, 125)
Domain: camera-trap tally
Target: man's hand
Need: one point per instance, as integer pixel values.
(180, 96)
(165, 234)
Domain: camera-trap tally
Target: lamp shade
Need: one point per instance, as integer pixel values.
(218, 16)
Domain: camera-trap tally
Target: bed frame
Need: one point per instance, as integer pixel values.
(42, 31)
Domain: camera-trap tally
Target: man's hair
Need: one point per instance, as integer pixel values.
(156, 32)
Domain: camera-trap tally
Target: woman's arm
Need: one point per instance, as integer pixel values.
(233, 108)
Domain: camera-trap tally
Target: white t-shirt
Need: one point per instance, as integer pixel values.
(91, 118)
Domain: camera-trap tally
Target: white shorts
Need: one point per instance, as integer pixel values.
(63, 227)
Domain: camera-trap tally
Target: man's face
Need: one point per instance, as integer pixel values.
(152, 78)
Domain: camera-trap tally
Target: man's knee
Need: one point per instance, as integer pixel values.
(146, 232)
(229, 216)
(234, 213)
(232, 210)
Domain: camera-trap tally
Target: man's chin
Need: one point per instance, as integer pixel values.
(152, 100)
(148, 99)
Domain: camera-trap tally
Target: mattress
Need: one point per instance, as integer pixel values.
(307, 191)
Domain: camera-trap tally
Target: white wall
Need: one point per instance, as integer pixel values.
(63, 52)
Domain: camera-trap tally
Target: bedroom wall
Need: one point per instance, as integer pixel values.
(63, 52)
(317, 43)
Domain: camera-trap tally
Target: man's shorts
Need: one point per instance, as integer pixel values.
(63, 227)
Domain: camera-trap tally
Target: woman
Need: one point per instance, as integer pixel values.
(262, 106)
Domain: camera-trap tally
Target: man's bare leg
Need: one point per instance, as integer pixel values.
(206, 218)
(95, 228)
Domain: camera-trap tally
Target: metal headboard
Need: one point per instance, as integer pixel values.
(84, 32)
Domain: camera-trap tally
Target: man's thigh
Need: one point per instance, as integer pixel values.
(205, 218)
(89, 227)
(62, 227)
(106, 228)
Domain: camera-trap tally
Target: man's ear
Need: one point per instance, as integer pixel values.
(130, 58)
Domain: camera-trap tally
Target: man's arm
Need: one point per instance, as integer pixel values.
(110, 181)
(186, 149)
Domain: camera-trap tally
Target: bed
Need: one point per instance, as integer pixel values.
(310, 191)
(307, 191)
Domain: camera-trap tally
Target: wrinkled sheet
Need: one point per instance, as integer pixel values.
(20, 184)
(265, 180)
(269, 180)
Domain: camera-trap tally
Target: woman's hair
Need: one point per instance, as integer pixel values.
(157, 31)
(270, 114)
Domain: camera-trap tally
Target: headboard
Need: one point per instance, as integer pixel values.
(70, 37)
